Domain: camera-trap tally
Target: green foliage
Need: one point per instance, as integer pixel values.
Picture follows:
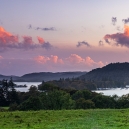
(81, 103)
(8, 94)
(74, 84)
(81, 94)
(33, 103)
(102, 101)
(123, 101)
(47, 87)
(57, 100)
(13, 107)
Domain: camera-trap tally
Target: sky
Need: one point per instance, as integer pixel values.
(62, 35)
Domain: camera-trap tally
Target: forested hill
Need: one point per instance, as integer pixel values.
(43, 76)
(47, 76)
(112, 72)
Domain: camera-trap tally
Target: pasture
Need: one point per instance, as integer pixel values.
(66, 119)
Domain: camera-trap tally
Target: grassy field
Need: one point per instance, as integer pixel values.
(66, 119)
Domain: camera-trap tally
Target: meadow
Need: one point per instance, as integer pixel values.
(66, 119)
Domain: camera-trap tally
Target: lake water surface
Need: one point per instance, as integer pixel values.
(117, 91)
(28, 84)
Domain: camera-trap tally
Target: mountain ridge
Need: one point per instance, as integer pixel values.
(113, 71)
(43, 76)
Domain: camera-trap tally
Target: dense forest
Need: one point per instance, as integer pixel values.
(117, 72)
(110, 76)
(114, 75)
(70, 93)
(51, 97)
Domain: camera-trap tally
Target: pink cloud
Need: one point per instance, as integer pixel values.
(42, 59)
(89, 61)
(41, 40)
(47, 64)
(55, 59)
(9, 41)
(50, 60)
(27, 40)
(118, 39)
(74, 58)
(7, 38)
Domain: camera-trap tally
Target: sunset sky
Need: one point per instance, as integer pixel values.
(62, 35)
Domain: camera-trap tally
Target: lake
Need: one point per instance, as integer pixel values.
(28, 84)
(117, 91)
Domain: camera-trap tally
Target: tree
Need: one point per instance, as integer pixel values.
(84, 104)
(57, 100)
(2, 97)
(82, 94)
(102, 101)
(33, 103)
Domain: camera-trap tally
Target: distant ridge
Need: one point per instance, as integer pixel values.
(43, 76)
(47, 76)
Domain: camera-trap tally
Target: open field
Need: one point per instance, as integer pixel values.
(66, 119)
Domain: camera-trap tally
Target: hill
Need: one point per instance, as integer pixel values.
(43, 76)
(117, 74)
(8, 77)
(48, 76)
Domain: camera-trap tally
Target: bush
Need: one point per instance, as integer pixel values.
(33, 103)
(84, 104)
(13, 107)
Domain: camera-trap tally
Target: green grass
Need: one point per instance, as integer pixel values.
(66, 119)
(6, 108)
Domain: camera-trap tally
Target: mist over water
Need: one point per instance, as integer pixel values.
(28, 84)
(117, 91)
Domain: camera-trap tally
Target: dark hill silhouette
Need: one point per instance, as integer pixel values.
(43, 76)
(112, 72)
(48, 76)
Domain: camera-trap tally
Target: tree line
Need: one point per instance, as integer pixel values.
(51, 97)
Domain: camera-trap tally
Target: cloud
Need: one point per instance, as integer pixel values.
(29, 26)
(9, 41)
(42, 59)
(46, 29)
(47, 45)
(126, 21)
(44, 44)
(41, 40)
(52, 63)
(101, 43)
(71, 61)
(55, 59)
(52, 59)
(75, 59)
(42, 28)
(114, 20)
(119, 39)
(83, 43)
